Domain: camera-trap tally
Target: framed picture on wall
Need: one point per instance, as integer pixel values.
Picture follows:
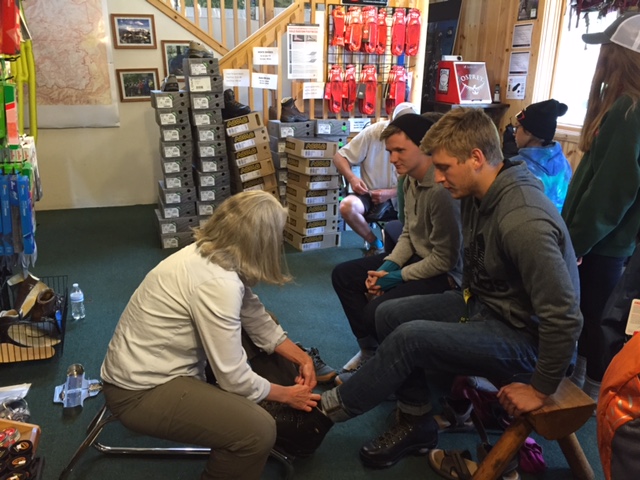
(135, 84)
(133, 31)
(173, 52)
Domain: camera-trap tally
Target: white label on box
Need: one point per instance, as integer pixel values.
(172, 198)
(207, 195)
(170, 135)
(173, 182)
(319, 171)
(287, 131)
(198, 68)
(311, 246)
(201, 119)
(247, 160)
(168, 119)
(171, 152)
(313, 153)
(207, 151)
(250, 176)
(317, 216)
(208, 181)
(315, 200)
(255, 187)
(283, 190)
(282, 176)
(209, 167)
(319, 185)
(199, 84)
(205, 209)
(315, 231)
(171, 212)
(238, 129)
(633, 322)
(207, 135)
(246, 144)
(283, 162)
(200, 103)
(168, 228)
(170, 242)
(324, 129)
(203, 222)
(164, 102)
(281, 147)
(171, 167)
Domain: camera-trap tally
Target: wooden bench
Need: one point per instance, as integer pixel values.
(563, 414)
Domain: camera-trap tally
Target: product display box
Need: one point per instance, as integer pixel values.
(171, 100)
(313, 182)
(206, 100)
(176, 165)
(279, 159)
(247, 156)
(171, 118)
(242, 124)
(267, 183)
(208, 133)
(214, 164)
(332, 127)
(280, 129)
(311, 242)
(206, 117)
(253, 170)
(282, 176)
(179, 180)
(310, 166)
(217, 148)
(312, 227)
(198, 67)
(211, 179)
(277, 144)
(176, 240)
(177, 210)
(311, 197)
(214, 194)
(175, 149)
(174, 225)
(341, 140)
(176, 133)
(313, 212)
(463, 83)
(248, 139)
(210, 83)
(315, 147)
(170, 196)
(205, 209)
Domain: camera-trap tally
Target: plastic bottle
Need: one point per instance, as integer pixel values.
(77, 302)
(496, 93)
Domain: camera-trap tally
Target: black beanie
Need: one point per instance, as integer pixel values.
(540, 119)
(413, 125)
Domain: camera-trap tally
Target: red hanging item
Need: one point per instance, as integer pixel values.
(338, 26)
(412, 40)
(369, 79)
(353, 34)
(10, 33)
(398, 32)
(333, 89)
(370, 29)
(382, 31)
(397, 87)
(349, 88)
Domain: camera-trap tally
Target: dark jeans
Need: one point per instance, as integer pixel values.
(392, 231)
(412, 349)
(348, 280)
(598, 277)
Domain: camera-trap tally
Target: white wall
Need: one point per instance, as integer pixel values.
(99, 167)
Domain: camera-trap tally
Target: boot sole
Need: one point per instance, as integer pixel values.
(416, 451)
(328, 378)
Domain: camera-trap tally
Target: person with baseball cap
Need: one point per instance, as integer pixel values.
(602, 208)
(534, 132)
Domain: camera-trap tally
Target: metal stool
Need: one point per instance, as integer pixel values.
(104, 416)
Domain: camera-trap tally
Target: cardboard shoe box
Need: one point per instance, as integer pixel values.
(175, 133)
(247, 156)
(179, 180)
(309, 166)
(314, 147)
(211, 179)
(253, 170)
(206, 117)
(208, 133)
(209, 83)
(197, 67)
(177, 210)
(242, 124)
(313, 212)
(171, 117)
(175, 225)
(248, 139)
(214, 194)
(313, 182)
(332, 127)
(211, 164)
(206, 100)
(311, 242)
(311, 197)
(176, 240)
(161, 99)
(176, 165)
(279, 159)
(267, 183)
(280, 129)
(217, 148)
(175, 149)
(170, 196)
(312, 227)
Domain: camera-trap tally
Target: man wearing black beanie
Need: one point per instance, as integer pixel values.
(535, 130)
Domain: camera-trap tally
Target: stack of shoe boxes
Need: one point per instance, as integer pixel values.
(278, 132)
(312, 193)
(333, 130)
(210, 165)
(250, 160)
(176, 211)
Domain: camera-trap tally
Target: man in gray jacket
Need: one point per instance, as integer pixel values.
(516, 320)
(427, 256)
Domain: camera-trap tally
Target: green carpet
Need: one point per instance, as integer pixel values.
(108, 251)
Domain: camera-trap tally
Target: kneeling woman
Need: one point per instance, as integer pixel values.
(191, 310)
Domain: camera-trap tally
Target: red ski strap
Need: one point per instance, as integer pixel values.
(338, 26)
(333, 89)
(397, 88)
(349, 88)
(412, 40)
(369, 79)
(353, 40)
(382, 31)
(398, 32)
(370, 29)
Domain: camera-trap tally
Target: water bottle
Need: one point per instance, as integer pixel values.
(77, 302)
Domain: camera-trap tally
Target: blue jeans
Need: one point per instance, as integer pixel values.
(412, 349)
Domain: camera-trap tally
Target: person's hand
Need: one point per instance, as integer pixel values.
(372, 280)
(307, 375)
(358, 186)
(519, 398)
(381, 195)
(301, 397)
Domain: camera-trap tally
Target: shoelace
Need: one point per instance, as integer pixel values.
(394, 435)
(315, 356)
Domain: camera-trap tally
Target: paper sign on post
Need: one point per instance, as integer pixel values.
(264, 80)
(312, 90)
(266, 56)
(236, 77)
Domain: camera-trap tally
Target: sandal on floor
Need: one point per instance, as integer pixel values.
(455, 416)
(453, 464)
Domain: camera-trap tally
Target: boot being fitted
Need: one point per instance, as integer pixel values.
(233, 108)
(290, 112)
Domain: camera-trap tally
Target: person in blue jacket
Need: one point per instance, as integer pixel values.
(534, 131)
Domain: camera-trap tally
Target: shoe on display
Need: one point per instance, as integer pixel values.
(198, 50)
(299, 433)
(233, 108)
(324, 373)
(409, 434)
(290, 113)
(170, 84)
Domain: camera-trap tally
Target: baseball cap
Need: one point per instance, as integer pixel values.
(402, 108)
(625, 31)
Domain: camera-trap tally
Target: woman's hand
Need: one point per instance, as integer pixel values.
(302, 397)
